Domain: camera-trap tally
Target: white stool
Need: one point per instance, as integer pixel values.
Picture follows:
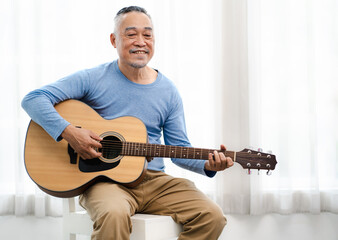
(145, 226)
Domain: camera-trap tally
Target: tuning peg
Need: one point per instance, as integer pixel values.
(249, 171)
(269, 172)
(258, 172)
(260, 149)
(270, 151)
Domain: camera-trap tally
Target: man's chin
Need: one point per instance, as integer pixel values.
(138, 65)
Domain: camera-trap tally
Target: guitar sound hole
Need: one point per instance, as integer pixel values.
(111, 147)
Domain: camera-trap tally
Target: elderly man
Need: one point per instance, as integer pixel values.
(127, 86)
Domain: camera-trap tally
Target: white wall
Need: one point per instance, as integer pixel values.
(267, 227)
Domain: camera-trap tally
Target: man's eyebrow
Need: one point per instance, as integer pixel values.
(133, 28)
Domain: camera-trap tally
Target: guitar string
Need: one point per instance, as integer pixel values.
(145, 147)
(177, 148)
(155, 147)
(164, 151)
(131, 147)
(119, 143)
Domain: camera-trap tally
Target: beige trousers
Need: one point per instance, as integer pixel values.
(110, 206)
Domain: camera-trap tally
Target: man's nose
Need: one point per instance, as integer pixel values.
(140, 41)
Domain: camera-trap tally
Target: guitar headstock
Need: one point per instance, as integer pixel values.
(250, 159)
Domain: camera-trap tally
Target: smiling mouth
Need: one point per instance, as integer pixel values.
(139, 51)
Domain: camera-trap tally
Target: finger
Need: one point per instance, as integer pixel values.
(223, 147)
(89, 153)
(230, 162)
(211, 161)
(95, 136)
(96, 144)
(223, 161)
(94, 154)
(217, 158)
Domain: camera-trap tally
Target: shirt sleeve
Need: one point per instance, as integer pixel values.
(174, 133)
(39, 104)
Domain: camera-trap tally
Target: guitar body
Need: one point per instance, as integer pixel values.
(49, 163)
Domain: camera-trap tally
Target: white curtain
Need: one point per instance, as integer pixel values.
(285, 73)
(259, 73)
(293, 82)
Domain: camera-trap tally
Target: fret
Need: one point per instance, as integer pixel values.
(184, 155)
(157, 151)
(154, 149)
(141, 150)
(160, 151)
(123, 149)
(131, 149)
(173, 151)
(138, 149)
(151, 150)
(202, 154)
(145, 150)
(163, 150)
(206, 153)
(198, 154)
(169, 153)
(166, 151)
(135, 149)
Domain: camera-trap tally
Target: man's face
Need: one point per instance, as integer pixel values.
(134, 39)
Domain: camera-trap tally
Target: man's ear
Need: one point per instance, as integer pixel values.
(113, 39)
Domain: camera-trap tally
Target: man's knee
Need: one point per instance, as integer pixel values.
(115, 214)
(214, 217)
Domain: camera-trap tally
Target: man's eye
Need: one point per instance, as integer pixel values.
(131, 34)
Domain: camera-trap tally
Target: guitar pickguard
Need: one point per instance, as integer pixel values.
(95, 165)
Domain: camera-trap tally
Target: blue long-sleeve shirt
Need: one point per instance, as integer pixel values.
(112, 95)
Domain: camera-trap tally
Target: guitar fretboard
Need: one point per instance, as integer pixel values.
(157, 150)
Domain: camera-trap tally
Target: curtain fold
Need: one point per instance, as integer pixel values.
(295, 63)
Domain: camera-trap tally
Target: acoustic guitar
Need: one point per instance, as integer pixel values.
(60, 172)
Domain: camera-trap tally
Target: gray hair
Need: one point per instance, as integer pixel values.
(127, 10)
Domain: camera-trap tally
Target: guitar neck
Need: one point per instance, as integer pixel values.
(167, 151)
